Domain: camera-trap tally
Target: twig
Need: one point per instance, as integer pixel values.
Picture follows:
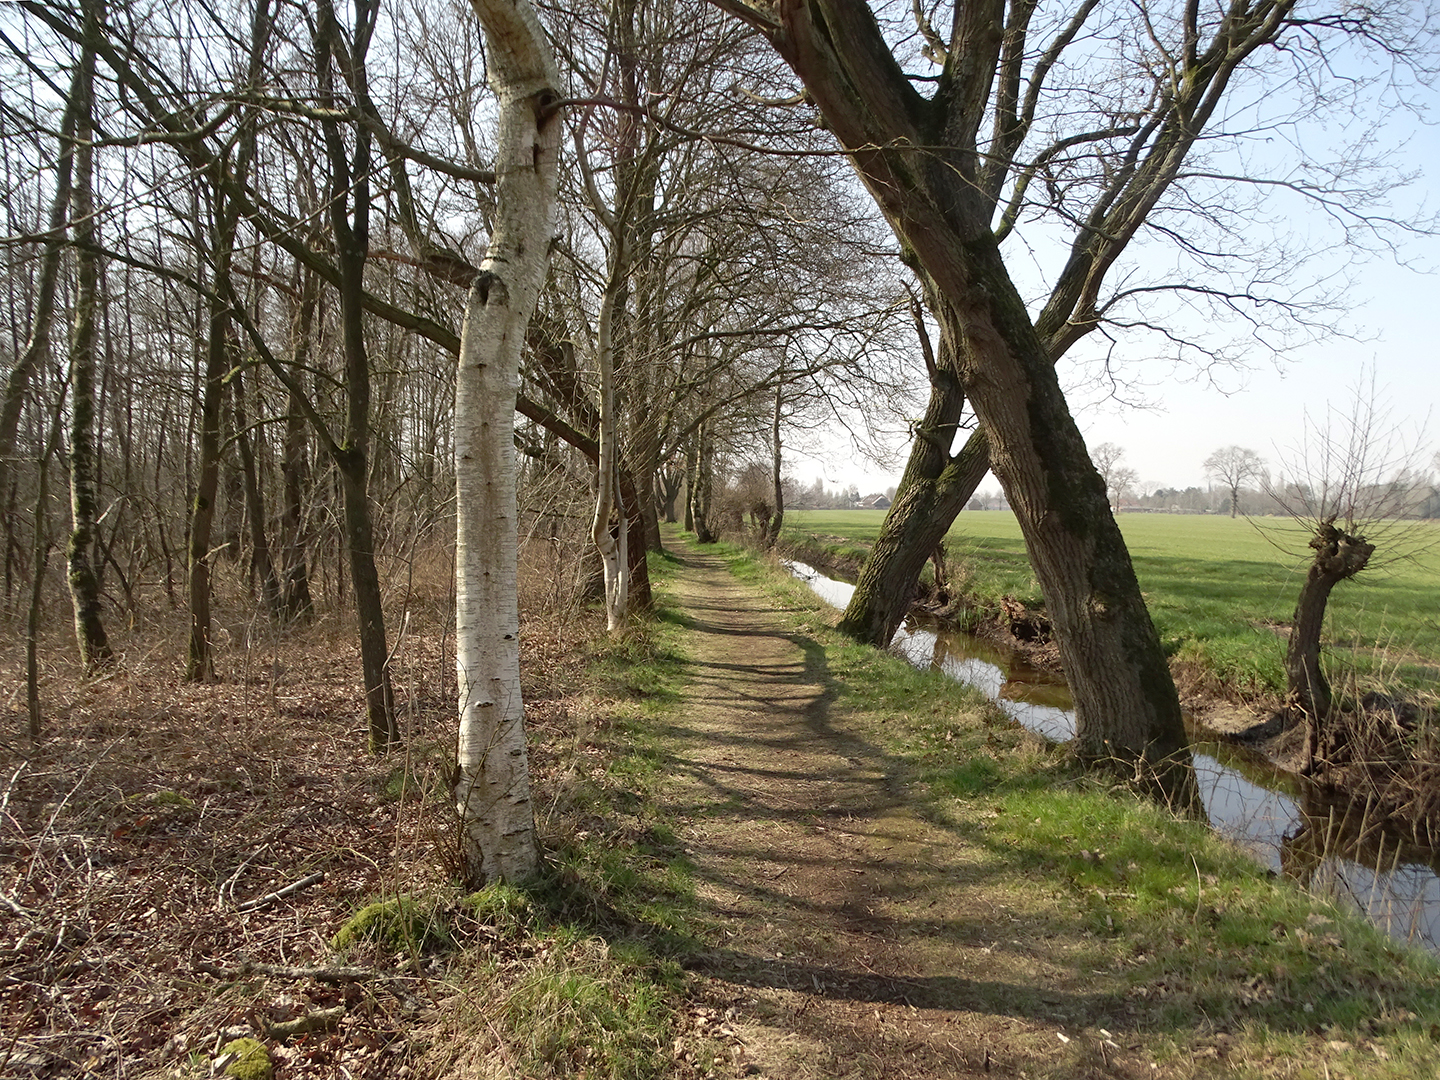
(50, 824)
(1199, 888)
(10, 786)
(14, 907)
(228, 887)
(285, 971)
(281, 894)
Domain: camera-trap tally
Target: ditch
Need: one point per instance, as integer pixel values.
(1330, 845)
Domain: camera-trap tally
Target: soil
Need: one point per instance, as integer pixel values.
(863, 940)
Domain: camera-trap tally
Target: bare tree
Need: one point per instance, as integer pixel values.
(1235, 466)
(1107, 456)
(90, 634)
(1101, 121)
(1342, 486)
(1121, 483)
(492, 780)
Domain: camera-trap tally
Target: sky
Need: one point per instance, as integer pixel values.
(1263, 408)
(1392, 313)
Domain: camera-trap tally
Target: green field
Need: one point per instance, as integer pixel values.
(1221, 592)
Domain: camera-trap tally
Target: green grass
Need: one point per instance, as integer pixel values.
(1220, 590)
(577, 973)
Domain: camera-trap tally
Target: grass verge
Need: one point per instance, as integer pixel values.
(579, 973)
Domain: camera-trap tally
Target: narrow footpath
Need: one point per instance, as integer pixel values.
(862, 940)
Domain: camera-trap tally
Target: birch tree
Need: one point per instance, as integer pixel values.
(492, 786)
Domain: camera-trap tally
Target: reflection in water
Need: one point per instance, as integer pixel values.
(1288, 824)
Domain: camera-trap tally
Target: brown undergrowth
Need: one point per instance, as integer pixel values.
(143, 838)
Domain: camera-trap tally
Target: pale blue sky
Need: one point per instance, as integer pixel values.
(1393, 314)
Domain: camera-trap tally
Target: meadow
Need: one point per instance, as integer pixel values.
(1221, 592)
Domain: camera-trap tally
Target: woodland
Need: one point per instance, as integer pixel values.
(306, 297)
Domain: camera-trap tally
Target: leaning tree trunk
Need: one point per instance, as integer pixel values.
(1338, 556)
(921, 162)
(933, 490)
(84, 584)
(1127, 712)
(492, 779)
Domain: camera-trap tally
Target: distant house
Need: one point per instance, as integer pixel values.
(876, 502)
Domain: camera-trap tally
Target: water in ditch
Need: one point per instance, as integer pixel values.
(1288, 824)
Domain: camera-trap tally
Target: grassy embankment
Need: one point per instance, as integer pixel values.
(1221, 592)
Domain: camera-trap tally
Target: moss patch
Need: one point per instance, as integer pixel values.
(399, 923)
(252, 1061)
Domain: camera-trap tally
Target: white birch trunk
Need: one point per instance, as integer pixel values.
(492, 790)
(614, 546)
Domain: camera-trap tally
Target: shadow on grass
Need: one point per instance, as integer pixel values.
(1160, 927)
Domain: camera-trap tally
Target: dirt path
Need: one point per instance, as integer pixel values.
(864, 941)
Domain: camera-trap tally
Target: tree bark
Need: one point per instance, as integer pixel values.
(369, 603)
(1126, 709)
(350, 187)
(40, 556)
(84, 585)
(36, 348)
(772, 535)
(261, 563)
(1338, 556)
(295, 473)
(492, 780)
(692, 470)
(669, 481)
(641, 597)
(610, 526)
(934, 488)
(698, 508)
(199, 664)
(295, 463)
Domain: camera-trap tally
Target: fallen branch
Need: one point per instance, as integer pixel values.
(319, 1020)
(281, 894)
(285, 971)
(14, 907)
